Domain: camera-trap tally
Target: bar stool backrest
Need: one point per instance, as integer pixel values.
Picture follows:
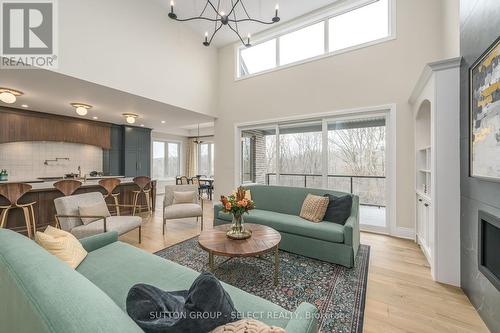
(109, 184)
(67, 186)
(14, 191)
(144, 182)
(195, 181)
(184, 180)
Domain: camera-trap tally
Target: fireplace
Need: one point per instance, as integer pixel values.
(489, 247)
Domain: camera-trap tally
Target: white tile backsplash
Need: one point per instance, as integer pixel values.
(25, 160)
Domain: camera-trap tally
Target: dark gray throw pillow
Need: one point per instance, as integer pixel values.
(339, 209)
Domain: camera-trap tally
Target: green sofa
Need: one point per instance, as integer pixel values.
(279, 206)
(39, 293)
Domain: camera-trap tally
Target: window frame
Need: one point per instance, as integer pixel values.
(210, 155)
(308, 20)
(165, 158)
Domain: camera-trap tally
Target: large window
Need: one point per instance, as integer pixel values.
(206, 153)
(341, 30)
(345, 154)
(166, 159)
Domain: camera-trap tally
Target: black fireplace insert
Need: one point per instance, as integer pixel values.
(489, 247)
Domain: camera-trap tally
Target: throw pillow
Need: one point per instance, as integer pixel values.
(98, 209)
(248, 326)
(184, 197)
(314, 208)
(62, 244)
(339, 209)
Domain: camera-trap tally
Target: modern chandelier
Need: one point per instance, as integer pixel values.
(220, 18)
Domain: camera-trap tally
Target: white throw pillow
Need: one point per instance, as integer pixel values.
(184, 197)
(63, 245)
(98, 209)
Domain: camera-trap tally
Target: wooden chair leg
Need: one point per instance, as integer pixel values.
(140, 235)
(115, 197)
(136, 196)
(148, 202)
(27, 221)
(164, 222)
(3, 217)
(33, 221)
(202, 222)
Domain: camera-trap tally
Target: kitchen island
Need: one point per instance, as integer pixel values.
(44, 193)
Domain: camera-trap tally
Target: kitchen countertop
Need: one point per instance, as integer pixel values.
(39, 184)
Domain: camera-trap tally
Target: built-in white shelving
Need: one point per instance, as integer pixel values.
(435, 102)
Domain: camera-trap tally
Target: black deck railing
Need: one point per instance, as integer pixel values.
(350, 177)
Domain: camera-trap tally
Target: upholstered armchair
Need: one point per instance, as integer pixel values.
(178, 203)
(70, 218)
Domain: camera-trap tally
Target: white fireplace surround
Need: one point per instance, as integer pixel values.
(25, 160)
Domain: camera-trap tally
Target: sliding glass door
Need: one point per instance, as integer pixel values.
(356, 164)
(344, 154)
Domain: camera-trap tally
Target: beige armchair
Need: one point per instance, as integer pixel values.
(69, 219)
(172, 210)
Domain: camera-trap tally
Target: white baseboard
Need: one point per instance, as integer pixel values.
(407, 233)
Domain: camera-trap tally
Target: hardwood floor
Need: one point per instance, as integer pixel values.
(401, 295)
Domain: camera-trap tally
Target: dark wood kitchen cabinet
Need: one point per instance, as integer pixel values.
(137, 151)
(113, 158)
(130, 153)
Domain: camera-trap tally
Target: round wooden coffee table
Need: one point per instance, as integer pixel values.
(264, 239)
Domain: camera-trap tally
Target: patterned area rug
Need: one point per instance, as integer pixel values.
(338, 292)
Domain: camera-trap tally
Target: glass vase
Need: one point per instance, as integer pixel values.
(238, 230)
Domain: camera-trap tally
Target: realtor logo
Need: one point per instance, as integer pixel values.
(28, 34)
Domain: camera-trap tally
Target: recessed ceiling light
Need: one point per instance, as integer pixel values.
(8, 95)
(25, 106)
(80, 108)
(163, 121)
(130, 117)
(95, 118)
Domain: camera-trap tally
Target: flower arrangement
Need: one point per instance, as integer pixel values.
(237, 203)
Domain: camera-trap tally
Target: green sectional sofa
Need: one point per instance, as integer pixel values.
(39, 293)
(279, 207)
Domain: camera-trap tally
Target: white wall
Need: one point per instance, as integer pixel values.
(451, 28)
(25, 160)
(377, 75)
(133, 46)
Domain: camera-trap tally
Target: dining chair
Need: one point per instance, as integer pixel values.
(144, 184)
(109, 185)
(202, 187)
(13, 192)
(67, 186)
(184, 180)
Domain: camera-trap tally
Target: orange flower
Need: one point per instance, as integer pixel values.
(228, 206)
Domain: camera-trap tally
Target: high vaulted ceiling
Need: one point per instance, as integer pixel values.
(259, 9)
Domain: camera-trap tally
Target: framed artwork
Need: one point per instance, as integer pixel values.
(484, 111)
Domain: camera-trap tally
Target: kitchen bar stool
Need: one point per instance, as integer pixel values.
(144, 183)
(67, 186)
(109, 185)
(13, 192)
